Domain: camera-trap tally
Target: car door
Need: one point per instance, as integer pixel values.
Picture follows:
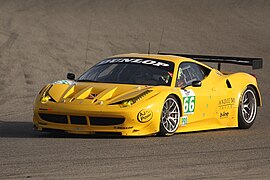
(193, 81)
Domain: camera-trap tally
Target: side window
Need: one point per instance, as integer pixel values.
(189, 72)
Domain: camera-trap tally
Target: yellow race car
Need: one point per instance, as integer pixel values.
(149, 94)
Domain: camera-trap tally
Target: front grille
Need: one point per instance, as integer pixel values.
(54, 118)
(105, 121)
(78, 120)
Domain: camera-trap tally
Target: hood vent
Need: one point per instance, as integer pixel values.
(92, 96)
(96, 93)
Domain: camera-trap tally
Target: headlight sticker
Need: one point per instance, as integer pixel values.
(145, 115)
(63, 82)
(131, 101)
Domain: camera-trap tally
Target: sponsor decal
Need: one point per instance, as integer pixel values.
(188, 101)
(134, 60)
(63, 82)
(226, 103)
(224, 115)
(184, 120)
(145, 115)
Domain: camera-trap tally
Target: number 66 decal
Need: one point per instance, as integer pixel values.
(188, 101)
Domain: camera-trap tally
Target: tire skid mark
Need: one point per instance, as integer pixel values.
(6, 66)
(9, 42)
(29, 81)
(51, 47)
(38, 5)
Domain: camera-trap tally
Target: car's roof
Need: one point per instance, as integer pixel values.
(175, 59)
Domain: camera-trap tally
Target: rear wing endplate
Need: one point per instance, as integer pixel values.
(256, 63)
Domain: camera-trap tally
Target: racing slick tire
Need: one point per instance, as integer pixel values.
(247, 109)
(170, 116)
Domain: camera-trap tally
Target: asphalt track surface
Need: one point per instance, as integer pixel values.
(40, 41)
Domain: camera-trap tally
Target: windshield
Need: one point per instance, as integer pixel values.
(130, 71)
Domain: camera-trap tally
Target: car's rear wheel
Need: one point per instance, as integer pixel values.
(247, 108)
(170, 116)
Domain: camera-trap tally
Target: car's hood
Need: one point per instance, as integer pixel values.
(93, 93)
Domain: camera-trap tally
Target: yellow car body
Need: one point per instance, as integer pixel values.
(92, 108)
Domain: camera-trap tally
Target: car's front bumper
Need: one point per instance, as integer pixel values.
(130, 126)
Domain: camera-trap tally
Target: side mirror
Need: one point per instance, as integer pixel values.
(70, 76)
(196, 83)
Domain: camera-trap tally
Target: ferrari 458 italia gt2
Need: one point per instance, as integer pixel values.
(149, 94)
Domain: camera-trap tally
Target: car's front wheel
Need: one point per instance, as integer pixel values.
(170, 116)
(247, 108)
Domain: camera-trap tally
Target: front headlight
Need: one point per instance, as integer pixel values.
(133, 100)
(45, 99)
(126, 103)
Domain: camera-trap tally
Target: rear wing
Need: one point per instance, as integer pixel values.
(256, 63)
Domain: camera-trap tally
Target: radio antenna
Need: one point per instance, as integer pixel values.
(149, 46)
(160, 41)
